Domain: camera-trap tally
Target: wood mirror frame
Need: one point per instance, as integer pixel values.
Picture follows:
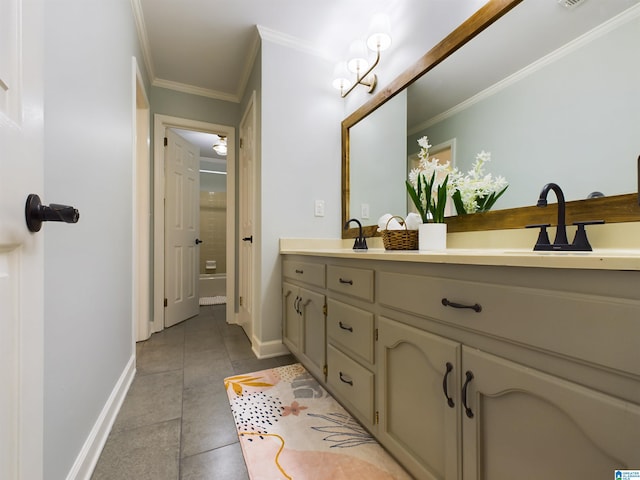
(612, 209)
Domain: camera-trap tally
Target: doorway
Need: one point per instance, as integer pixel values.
(161, 124)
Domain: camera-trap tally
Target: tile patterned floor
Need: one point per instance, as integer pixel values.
(175, 422)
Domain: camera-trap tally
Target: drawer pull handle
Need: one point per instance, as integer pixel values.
(444, 385)
(350, 382)
(346, 282)
(475, 307)
(299, 271)
(345, 327)
(467, 410)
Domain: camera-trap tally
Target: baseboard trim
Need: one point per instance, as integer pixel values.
(88, 457)
(263, 350)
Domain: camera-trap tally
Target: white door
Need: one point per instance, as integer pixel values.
(182, 227)
(246, 203)
(21, 252)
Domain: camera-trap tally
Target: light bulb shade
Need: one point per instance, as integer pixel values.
(221, 147)
(341, 76)
(379, 33)
(358, 53)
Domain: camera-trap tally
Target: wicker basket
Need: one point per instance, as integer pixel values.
(400, 239)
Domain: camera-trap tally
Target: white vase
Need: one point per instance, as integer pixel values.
(432, 236)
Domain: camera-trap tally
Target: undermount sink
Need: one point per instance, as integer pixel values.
(545, 252)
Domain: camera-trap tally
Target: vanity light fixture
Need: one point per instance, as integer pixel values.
(221, 146)
(358, 63)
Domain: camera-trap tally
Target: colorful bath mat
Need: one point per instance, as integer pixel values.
(219, 300)
(290, 428)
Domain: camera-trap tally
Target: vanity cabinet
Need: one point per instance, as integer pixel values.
(351, 337)
(443, 405)
(303, 322)
(480, 372)
(418, 399)
(519, 421)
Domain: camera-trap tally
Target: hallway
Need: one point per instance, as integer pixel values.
(175, 422)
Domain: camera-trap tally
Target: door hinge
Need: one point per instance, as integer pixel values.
(166, 303)
(325, 371)
(324, 309)
(240, 301)
(377, 420)
(241, 143)
(376, 334)
(166, 141)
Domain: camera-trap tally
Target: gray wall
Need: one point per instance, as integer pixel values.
(300, 163)
(88, 148)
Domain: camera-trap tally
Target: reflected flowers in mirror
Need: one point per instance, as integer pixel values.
(476, 191)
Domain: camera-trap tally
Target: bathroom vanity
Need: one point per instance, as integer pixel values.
(469, 364)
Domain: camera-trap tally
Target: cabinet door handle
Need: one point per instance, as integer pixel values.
(299, 271)
(346, 282)
(476, 307)
(444, 385)
(342, 378)
(345, 327)
(467, 410)
(296, 304)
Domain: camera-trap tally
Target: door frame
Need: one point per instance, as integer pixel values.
(141, 227)
(161, 123)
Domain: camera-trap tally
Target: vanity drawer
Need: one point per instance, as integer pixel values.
(352, 382)
(351, 328)
(357, 282)
(591, 328)
(311, 273)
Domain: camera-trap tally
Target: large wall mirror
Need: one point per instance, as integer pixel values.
(552, 93)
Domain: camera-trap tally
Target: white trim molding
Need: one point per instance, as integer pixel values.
(87, 459)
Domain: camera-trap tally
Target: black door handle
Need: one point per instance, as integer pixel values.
(248, 239)
(198, 241)
(36, 213)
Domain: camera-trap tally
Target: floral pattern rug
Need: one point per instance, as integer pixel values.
(290, 428)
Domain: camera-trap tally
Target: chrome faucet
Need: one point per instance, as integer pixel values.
(580, 242)
(361, 242)
(561, 229)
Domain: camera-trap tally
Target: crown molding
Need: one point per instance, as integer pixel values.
(138, 17)
(290, 42)
(203, 92)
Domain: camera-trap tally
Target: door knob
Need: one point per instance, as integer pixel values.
(198, 241)
(36, 213)
(248, 239)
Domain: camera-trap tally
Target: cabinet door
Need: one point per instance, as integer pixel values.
(291, 317)
(418, 424)
(314, 335)
(526, 424)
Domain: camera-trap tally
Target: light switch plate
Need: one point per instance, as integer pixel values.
(364, 214)
(319, 208)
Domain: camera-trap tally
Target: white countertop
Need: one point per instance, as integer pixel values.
(598, 259)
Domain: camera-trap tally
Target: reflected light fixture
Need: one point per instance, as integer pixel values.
(221, 147)
(379, 39)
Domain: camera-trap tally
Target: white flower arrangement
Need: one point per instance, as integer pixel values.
(476, 191)
(432, 182)
(428, 185)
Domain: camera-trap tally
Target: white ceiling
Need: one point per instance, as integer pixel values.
(208, 46)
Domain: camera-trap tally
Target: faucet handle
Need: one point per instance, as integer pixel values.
(580, 241)
(543, 242)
